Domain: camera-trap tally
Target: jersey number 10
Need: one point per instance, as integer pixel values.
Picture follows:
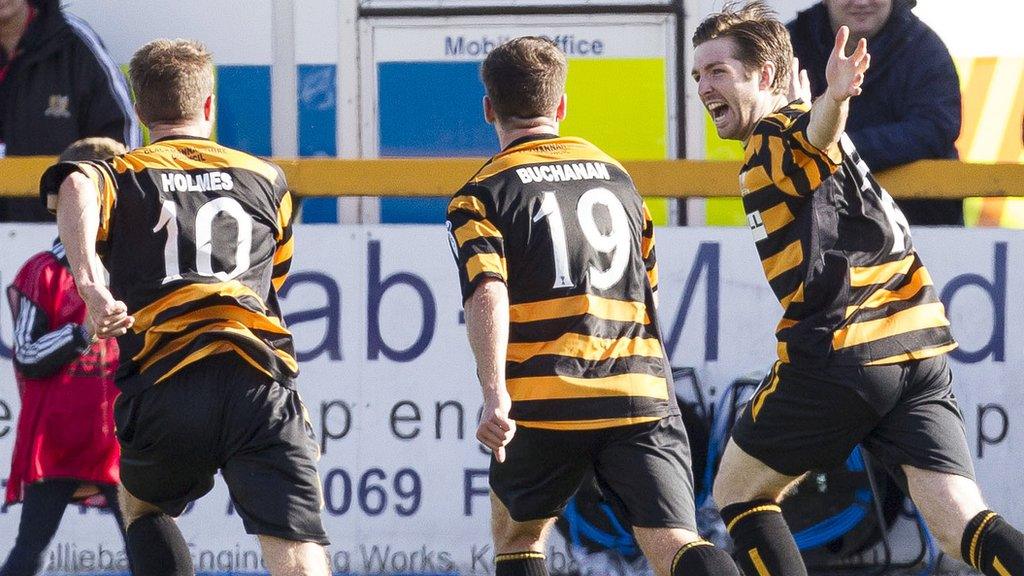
(616, 242)
(204, 238)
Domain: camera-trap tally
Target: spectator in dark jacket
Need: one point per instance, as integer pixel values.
(57, 85)
(910, 107)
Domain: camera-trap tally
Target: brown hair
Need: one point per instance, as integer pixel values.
(759, 36)
(171, 80)
(525, 77)
(92, 148)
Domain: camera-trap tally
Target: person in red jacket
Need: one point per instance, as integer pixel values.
(65, 449)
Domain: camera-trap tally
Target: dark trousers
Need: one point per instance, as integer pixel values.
(41, 512)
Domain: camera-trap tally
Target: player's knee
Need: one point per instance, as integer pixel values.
(293, 557)
(132, 508)
(742, 478)
(518, 538)
(662, 545)
(730, 488)
(723, 493)
(511, 536)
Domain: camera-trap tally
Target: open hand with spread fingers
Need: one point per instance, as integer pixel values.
(845, 74)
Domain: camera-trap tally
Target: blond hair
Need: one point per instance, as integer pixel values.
(171, 80)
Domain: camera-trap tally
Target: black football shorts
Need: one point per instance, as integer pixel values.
(644, 467)
(222, 414)
(811, 418)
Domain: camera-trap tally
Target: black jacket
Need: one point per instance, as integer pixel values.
(910, 107)
(62, 86)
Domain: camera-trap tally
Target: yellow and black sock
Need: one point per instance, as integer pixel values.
(991, 545)
(764, 544)
(701, 558)
(520, 564)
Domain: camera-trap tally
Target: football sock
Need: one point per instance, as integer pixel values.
(764, 544)
(157, 548)
(991, 545)
(520, 564)
(701, 558)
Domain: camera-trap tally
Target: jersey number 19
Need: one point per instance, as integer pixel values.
(616, 242)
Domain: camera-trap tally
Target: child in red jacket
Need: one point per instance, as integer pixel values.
(65, 449)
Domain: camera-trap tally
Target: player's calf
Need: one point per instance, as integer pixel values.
(747, 491)
(764, 543)
(702, 557)
(992, 546)
(153, 542)
(520, 564)
(157, 548)
(680, 552)
(956, 514)
(518, 545)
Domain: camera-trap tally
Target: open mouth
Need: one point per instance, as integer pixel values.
(717, 110)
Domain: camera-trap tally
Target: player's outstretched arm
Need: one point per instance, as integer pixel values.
(78, 220)
(487, 325)
(844, 74)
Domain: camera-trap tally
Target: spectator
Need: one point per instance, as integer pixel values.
(910, 108)
(65, 449)
(57, 84)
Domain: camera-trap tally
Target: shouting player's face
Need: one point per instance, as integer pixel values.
(729, 91)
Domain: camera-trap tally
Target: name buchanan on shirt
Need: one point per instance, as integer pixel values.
(564, 172)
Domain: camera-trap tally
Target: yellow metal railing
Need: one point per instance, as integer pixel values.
(654, 178)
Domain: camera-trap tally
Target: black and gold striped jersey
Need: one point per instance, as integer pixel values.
(197, 239)
(561, 223)
(836, 251)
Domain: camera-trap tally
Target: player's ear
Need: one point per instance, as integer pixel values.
(767, 76)
(208, 108)
(489, 114)
(560, 110)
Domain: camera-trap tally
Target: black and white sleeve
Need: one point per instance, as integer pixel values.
(39, 353)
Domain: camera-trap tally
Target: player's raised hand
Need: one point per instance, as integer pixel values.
(496, 428)
(108, 317)
(845, 74)
(799, 83)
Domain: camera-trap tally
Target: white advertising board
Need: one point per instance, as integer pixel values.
(387, 375)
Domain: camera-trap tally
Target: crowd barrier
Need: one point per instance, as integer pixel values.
(654, 178)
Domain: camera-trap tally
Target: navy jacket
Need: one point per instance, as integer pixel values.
(62, 86)
(910, 107)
